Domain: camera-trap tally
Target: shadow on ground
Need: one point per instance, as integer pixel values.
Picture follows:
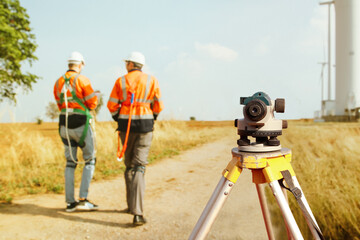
(35, 210)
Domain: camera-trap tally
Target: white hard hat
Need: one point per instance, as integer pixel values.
(136, 57)
(76, 58)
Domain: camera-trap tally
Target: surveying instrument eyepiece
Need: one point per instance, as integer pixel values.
(268, 162)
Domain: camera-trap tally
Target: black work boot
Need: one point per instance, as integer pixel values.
(139, 220)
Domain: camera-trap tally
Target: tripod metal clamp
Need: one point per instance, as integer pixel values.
(292, 188)
(296, 192)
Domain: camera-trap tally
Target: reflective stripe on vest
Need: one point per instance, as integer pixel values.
(126, 116)
(123, 83)
(124, 91)
(147, 87)
(114, 100)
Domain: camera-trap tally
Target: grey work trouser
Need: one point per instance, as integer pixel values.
(136, 154)
(88, 155)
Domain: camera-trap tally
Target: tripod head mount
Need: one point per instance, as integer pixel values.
(259, 122)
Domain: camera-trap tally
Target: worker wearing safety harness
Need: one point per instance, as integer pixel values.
(75, 98)
(135, 102)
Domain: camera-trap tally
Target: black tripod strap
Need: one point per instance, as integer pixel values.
(297, 193)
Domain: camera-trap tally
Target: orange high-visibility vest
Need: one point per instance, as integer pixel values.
(147, 101)
(81, 86)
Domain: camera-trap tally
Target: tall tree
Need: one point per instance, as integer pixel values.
(17, 45)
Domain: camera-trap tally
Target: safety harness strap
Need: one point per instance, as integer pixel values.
(298, 194)
(77, 100)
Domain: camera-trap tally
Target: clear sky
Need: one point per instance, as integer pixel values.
(206, 54)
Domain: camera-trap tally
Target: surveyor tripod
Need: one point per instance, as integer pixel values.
(272, 167)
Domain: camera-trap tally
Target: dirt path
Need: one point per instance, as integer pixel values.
(177, 191)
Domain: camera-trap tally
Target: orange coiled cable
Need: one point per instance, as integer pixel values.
(121, 153)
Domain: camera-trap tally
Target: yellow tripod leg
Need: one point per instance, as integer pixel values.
(217, 200)
(272, 173)
(232, 170)
(275, 165)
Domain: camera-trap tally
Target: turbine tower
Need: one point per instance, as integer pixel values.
(347, 57)
(347, 24)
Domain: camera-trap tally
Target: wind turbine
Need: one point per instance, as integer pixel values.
(323, 64)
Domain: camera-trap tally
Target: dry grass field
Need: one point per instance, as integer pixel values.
(326, 159)
(32, 159)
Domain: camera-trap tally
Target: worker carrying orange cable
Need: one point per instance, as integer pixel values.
(135, 102)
